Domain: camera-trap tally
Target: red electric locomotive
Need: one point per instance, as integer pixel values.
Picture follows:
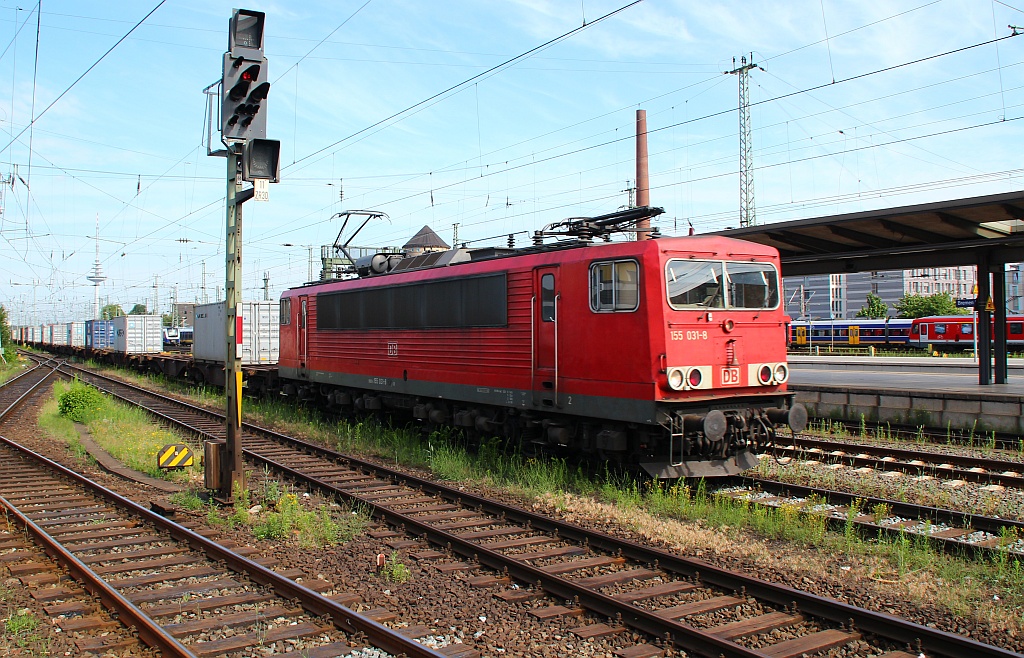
(669, 353)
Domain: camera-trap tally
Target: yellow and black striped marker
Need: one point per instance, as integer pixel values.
(175, 455)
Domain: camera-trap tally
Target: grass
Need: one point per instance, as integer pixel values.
(188, 499)
(11, 368)
(20, 629)
(127, 433)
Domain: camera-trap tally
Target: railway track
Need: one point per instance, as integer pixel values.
(950, 531)
(181, 592)
(558, 569)
(919, 433)
(916, 462)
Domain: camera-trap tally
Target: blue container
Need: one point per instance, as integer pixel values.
(99, 334)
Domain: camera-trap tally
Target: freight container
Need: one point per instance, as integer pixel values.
(60, 333)
(260, 331)
(138, 334)
(99, 334)
(76, 334)
(47, 334)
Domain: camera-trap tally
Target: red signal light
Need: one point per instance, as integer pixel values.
(250, 74)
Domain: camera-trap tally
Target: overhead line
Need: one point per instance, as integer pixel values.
(15, 37)
(320, 43)
(94, 64)
(493, 69)
(716, 114)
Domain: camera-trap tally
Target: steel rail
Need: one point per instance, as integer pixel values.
(317, 604)
(961, 520)
(151, 633)
(682, 635)
(963, 461)
(935, 435)
(880, 464)
(345, 619)
(886, 626)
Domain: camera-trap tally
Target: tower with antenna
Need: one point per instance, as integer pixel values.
(748, 214)
(97, 277)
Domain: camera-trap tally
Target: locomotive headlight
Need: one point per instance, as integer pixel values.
(781, 373)
(675, 379)
(694, 378)
(764, 374)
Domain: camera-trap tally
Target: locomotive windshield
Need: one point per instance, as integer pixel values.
(701, 284)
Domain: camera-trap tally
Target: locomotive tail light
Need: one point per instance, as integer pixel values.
(762, 372)
(675, 379)
(781, 373)
(695, 377)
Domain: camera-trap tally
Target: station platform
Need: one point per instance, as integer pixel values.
(932, 392)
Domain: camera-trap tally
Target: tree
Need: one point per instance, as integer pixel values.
(876, 308)
(166, 320)
(10, 351)
(138, 309)
(111, 311)
(919, 306)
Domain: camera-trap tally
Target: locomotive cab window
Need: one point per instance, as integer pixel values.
(752, 285)
(614, 286)
(286, 311)
(697, 284)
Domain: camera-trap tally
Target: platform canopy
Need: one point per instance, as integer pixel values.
(940, 234)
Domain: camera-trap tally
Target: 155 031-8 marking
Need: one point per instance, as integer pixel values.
(695, 334)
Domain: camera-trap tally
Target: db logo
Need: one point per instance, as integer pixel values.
(392, 349)
(730, 376)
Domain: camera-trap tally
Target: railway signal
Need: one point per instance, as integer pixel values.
(244, 82)
(250, 157)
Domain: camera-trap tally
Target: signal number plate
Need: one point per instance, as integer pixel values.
(730, 376)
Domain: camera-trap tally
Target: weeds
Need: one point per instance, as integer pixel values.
(311, 528)
(394, 570)
(188, 499)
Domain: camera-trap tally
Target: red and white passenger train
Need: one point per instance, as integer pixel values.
(669, 353)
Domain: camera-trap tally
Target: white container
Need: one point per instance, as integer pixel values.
(138, 334)
(76, 334)
(260, 332)
(58, 334)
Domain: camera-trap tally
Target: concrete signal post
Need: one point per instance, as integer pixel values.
(250, 158)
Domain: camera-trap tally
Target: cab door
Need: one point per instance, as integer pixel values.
(302, 331)
(545, 336)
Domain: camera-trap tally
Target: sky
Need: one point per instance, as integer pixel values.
(413, 109)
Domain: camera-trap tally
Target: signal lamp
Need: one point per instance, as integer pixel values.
(781, 373)
(764, 375)
(246, 29)
(260, 92)
(675, 379)
(261, 158)
(694, 378)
